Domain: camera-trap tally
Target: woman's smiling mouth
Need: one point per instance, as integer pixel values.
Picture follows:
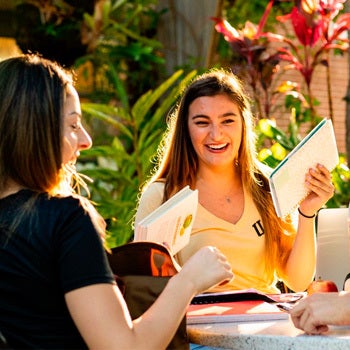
(218, 147)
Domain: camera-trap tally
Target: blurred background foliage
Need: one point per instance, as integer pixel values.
(115, 48)
(120, 166)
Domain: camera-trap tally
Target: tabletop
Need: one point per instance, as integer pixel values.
(267, 335)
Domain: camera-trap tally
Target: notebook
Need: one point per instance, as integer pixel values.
(236, 311)
(288, 178)
(172, 222)
(245, 294)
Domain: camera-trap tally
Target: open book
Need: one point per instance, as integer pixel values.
(245, 294)
(288, 178)
(170, 223)
(234, 311)
(240, 306)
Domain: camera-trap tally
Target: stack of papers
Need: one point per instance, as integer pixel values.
(235, 311)
(240, 306)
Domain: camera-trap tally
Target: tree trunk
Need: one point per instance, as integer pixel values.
(187, 32)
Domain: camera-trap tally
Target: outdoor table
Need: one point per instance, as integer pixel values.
(267, 335)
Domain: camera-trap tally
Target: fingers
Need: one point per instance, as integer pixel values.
(207, 268)
(224, 263)
(301, 319)
(227, 273)
(320, 181)
(306, 315)
(306, 323)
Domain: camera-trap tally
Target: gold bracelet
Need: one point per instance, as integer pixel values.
(306, 216)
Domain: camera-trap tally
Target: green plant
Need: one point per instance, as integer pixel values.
(258, 66)
(281, 143)
(317, 30)
(52, 28)
(120, 167)
(341, 181)
(122, 34)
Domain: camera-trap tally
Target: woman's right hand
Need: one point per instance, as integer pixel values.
(207, 268)
(314, 313)
(203, 270)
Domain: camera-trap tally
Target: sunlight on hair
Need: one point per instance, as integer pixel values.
(72, 182)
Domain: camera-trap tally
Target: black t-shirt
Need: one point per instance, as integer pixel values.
(49, 252)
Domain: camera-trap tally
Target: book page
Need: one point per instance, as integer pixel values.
(246, 294)
(288, 178)
(237, 311)
(172, 222)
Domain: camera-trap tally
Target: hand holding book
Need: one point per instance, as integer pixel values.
(287, 179)
(171, 223)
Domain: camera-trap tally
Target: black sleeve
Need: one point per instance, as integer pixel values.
(82, 259)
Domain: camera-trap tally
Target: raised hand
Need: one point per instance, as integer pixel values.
(319, 181)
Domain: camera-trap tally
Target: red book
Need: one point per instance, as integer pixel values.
(236, 311)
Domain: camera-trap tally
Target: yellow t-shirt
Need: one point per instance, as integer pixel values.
(242, 243)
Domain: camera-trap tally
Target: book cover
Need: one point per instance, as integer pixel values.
(172, 222)
(245, 294)
(236, 311)
(287, 179)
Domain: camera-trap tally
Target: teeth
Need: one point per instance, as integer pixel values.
(217, 146)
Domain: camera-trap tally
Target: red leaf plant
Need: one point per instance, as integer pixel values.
(318, 30)
(260, 63)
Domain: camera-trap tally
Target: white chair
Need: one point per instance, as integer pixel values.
(333, 261)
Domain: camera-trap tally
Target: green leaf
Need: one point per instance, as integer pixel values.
(103, 112)
(135, 36)
(267, 128)
(147, 100)
(118, 84)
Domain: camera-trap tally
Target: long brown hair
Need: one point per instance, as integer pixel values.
(177, 162)
(32, 94)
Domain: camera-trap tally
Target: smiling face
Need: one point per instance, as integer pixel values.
(215, 127)
(75, 137)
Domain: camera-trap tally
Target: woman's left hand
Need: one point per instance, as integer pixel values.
(319, 181)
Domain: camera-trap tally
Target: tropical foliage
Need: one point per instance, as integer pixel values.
(131, 94)
(317, 30)
(52, 28)
(120, 167)
(284, 142)
(122, 45)
(131, 122)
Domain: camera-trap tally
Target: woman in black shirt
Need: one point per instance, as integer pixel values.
(56, 287)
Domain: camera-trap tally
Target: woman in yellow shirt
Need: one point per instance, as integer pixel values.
(210, 146)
